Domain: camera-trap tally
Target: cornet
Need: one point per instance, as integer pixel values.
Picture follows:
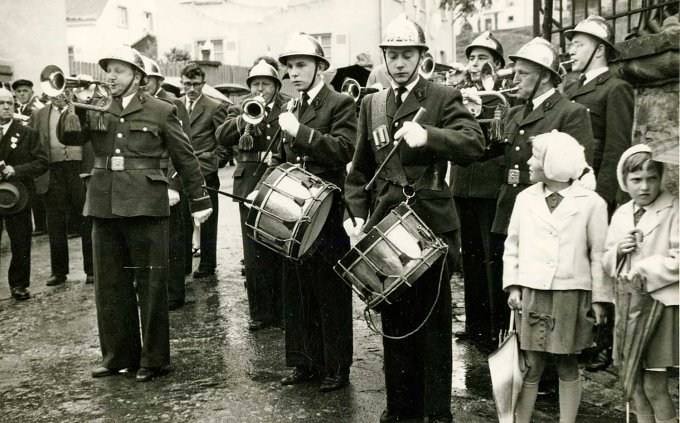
(427, 66)
(352, 88)
(54, 83)
(253, 110)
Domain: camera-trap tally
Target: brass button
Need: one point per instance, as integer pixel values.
(517, 148)
(144, 129)
(119, 135)
(117, 150)
(122, 120)
(396, 123)
(268, 137)
(521, 131)
(269, 126)
(516, 166)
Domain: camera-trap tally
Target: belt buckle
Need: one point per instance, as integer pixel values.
(117, 163)
(513, 176)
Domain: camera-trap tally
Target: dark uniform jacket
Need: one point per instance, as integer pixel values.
(453, 134)
(27, 157)
(610, 103)
(207, 115)
(325, 139)
(173, 180)
(556, 112)
(248, 169)
(148, 129)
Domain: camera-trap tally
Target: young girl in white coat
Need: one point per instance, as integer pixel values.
(652, 215)
(552, 269)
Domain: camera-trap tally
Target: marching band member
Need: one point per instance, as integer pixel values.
(127, 198)
(319, 135)
(254, 141)
(418, 367)
(474, 189)
(610, 103)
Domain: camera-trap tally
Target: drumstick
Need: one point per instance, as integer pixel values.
(235, 197)
(392, 152)
(349, 211)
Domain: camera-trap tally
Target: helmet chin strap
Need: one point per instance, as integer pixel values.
(311, 84)
(125, 91)
(536, 85)
(412, 73)
(590, 59)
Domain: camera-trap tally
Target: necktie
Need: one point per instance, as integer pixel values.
(581, 81)
(553, 200)
(119, 101)
(191, 106)
(303, 104)
(528, 108)
(398, 96)
(638, 215)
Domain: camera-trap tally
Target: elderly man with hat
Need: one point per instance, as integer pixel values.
(22, 158)
(255, 140)
(610, 103)
(127, 199)
(318, 134)
(416, 325)
(26, 100)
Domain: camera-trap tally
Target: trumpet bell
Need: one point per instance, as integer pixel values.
(253, 110)
(352, 88)
(52, 81)
(427, 66)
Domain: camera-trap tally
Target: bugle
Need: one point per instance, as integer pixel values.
(54, 83)
(427, 65)
(352, 88)
(253, 110)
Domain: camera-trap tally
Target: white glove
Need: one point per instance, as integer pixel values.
(289, 124)
(201, 216)
(173, 197)
(355, 233)
(414, 134)
(250, 198)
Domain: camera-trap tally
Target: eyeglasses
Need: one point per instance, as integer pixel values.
(193, 85)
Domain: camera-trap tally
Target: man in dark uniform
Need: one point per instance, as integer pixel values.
(127, 198)
(255, 140)
(610, 103)
(205, 115)
(319, 136)
(22, 158)
(474, 189)
(418, 366)
(179, 237)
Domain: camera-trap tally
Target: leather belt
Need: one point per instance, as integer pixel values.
(129, 163)
(516, 176)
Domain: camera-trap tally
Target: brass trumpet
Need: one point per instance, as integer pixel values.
(54, 83)
(352, 88)
(427, 66)
(253, 110)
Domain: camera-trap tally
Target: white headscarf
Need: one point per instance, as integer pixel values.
(639, 148)
(562, 157)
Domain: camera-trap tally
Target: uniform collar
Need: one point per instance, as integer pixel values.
(313, 92)
(125, 100)
(409, 87)
(594, 73)
(541, 98)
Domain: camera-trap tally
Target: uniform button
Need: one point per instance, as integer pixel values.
(588, 108)
(517, 148)
(514, 185)
(573, 101)
(268, 137)
(396, 123)
(144, 129)
(516, 166)
(269, 126)
(122, 120)
(297, 158)
(521, 131)
(119, 135)
(506, 140)
(117, 150)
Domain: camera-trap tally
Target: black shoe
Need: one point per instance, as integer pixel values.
(256, 325)
(55, 280)
(439, 419)
(299, 375)
(20, 294)
(146, 374)
(388, 417)
(601, 361)
(89, 279)
(203, 273)
(174, 305)
(333, 383)
(105, 372)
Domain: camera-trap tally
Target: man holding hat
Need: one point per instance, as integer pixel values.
(610, 103)
(127, 198)
(255, 140)
(22, 158)
(416, 325)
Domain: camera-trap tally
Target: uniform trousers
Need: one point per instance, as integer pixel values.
(318, 304)
(18, 227)
(66, 192)
(177, 253)
(38, 208)
(264, 278)
(418, 367)
(208, 261)
(131, 262)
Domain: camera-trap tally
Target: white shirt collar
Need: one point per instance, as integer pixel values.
(594, 73)
(409, 87)
(313, 92)
(563, 192)
(541, 98)
(195, 101)
(126, 99)
(5, 127)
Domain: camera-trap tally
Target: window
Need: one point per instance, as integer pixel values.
(210, 50)
(148, 21)
(71, 54)
(218, 51)
(122, 17)
(325, 41)
(488, 24)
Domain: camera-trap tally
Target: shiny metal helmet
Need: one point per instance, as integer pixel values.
(488, 41)
(540, 52)
(151, 67)
(303, 45)
(403, 32)
(127, 55)
(264, 69)
(595, 26)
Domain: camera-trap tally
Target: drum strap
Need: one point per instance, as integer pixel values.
(431, 177)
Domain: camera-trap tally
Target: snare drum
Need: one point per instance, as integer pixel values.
(290, 210)
(391, 257)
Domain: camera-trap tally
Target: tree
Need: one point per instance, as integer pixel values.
(464, 8)
(177, 55)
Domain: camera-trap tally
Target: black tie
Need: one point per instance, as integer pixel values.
(581, 81)
(638, 215)
(528, 108)
(398, 96)
(303, 105)
(553, 200)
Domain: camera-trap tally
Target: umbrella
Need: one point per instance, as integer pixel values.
(229, 89)
(175, 82)
(637, 315)
(356, 72)
(508, 367)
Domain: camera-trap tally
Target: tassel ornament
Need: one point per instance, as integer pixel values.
(71, 121)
